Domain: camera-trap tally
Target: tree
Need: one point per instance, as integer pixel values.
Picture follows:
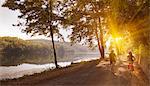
(90, 20)
(132, 17)
(41, 17)
(87, 21)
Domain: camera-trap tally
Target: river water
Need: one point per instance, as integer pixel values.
(11, 72)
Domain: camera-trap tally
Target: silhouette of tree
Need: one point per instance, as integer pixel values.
(42, 17)
(87, 20)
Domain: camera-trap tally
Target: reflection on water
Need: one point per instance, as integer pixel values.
(9, 60)
(10, 72)
(26, 69)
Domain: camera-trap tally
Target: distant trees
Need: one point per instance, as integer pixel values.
(16, 51)
(15, 46)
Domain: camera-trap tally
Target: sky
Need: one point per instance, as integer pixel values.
(9, 17)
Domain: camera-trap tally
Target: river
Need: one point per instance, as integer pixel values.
(11, 72)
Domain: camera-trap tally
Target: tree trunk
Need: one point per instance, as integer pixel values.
(55, 57)
(101, 40)
(101, 36)
(51, 33)
(98, 40)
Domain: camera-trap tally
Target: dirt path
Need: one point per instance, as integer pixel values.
(83, 74)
